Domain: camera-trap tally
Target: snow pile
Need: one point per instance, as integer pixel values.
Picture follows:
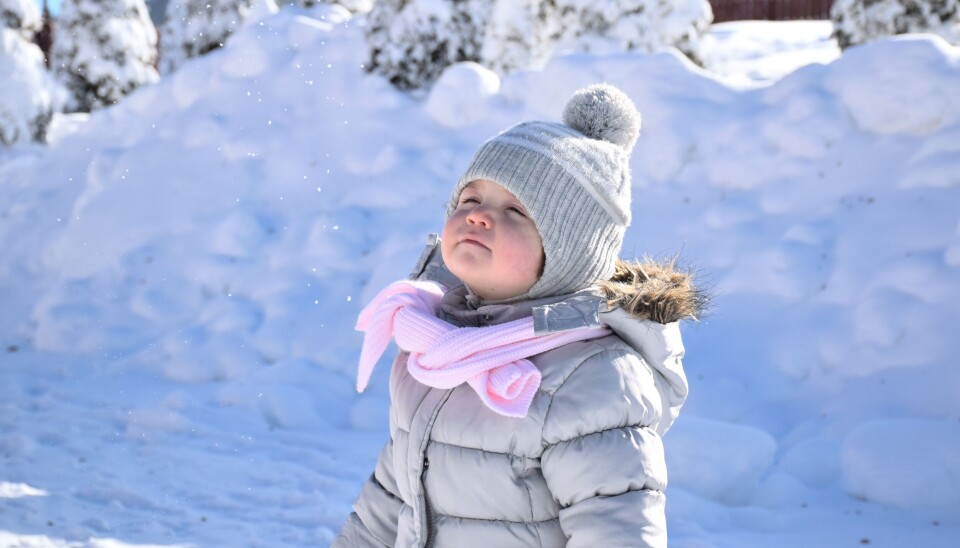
(461, 89)
(921, 468)
(744, 53)
(932, 107)
(178, 349)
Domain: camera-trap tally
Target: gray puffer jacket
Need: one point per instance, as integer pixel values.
(585, 467)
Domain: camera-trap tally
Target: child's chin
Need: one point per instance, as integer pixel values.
(466, 261)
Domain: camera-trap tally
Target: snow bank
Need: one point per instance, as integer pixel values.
(904, 463)
(872, 86)
(457, 98)
(718, 460)
(185, 269)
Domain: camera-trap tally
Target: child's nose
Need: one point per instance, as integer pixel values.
(480, 215)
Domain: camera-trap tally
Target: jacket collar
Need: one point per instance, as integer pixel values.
(550, 314)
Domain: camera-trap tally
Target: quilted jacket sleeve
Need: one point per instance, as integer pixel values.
(373, 521)
(604, 461)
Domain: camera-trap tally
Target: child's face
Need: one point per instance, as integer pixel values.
(491, 244)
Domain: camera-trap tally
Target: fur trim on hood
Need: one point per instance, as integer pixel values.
(654, 290)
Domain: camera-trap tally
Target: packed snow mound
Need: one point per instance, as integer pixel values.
(186, 267)
(746, 53)
(868, 83)
(718, 460)
(904, 463)
(458, 97)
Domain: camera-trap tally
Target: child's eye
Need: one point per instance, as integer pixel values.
(469, 199)
(517, 210)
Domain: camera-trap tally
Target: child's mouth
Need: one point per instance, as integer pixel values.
(472, 241)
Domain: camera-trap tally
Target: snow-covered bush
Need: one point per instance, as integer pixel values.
(103, 50)
(623, 25)
(412, 41)
(354, 6)
(192, 28)
(858, 21)
(26, 105)
(519, 34)
(20, 15)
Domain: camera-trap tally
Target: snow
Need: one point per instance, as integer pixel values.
(102, 51)
(931, 107)
(644, 25)
(28, 95)
(457, 97)
(746, 52)
(182, 272)
(718, 460)
(921, 468)
(860, 22)
(17, 490)
(21, 15)
(194, 27)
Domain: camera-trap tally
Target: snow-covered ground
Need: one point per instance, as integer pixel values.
(179, 276)
(743, 53)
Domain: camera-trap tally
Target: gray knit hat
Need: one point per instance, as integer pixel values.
(573, 179)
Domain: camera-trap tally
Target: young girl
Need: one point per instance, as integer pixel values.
(537, 371)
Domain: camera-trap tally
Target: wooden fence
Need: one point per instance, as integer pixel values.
(771, 10)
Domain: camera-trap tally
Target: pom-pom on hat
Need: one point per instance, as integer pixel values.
(574, 180)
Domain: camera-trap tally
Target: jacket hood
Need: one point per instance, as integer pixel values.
(654, 290)
(644, 302)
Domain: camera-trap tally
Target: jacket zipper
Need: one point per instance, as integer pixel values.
(430, 511)
(426, 518)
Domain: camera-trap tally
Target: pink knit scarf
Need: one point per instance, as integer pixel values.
(490, 359)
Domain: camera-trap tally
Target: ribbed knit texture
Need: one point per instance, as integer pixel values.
(491, 360)
(575, 187)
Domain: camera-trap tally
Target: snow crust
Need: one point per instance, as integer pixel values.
(182, 272)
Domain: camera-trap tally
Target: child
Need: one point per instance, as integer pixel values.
(529, 398)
